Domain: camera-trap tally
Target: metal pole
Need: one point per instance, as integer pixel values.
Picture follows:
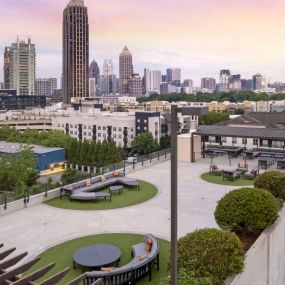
(174, 130)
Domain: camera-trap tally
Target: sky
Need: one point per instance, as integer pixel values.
(199, 36)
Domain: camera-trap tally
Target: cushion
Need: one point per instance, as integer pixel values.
(215, 166)
(116, 174)
(103, 178)
(148, 245)
(107, 269)
(96, 179)
(242, 165)
(142, 258)
(87, 182)
(108, 176)
(253, 171)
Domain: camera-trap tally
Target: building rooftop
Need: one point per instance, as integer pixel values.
(9, 147)
(75, 3)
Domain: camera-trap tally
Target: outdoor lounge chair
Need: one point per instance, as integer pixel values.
(242, 167)
(251, 174)
(215, 170)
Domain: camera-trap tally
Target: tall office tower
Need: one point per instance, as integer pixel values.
(173, 76)
(224, 80)
(258, 82)
(208, 83)
(45, 86)
(92, 87)
(152, 79)
(94, 71)
(135, 85)
(75, 51)
(20, 67)
(187, 86)
(126, 70)
(108, 67)
(235, 82)
(1, 85)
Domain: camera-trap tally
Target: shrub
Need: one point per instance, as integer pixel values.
(187, 278)
(211, 253)
(246, 209)
(273, 181)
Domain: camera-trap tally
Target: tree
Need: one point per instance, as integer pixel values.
(213, 118)
(144, 143)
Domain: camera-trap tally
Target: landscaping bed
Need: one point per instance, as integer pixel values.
(130, 196)
(62, 254)
(218, 179)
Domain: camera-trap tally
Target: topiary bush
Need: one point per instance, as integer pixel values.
(273, 181)
(211, 253)
(246, 209)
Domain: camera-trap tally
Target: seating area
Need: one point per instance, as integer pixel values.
(89, 189)
(145, 256)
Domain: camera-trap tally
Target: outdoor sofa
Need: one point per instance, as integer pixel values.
(214, 169)
(140, 266)
(251, 174)
(89, 188)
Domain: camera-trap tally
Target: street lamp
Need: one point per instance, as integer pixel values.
(198, 111)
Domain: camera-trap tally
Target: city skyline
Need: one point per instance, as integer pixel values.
(201, 38)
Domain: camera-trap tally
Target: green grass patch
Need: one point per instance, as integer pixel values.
(218, 179)
(62, 255)
(129, 197)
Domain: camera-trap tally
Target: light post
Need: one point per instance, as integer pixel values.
(174, 209)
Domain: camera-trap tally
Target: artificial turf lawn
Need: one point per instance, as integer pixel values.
(62, 255)
(129, 197)
(218, 179)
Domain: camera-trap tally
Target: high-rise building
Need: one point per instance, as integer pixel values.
(235, 82)
(92, 87)
(108, 84)
(225, 75)
(208, 83)
(75, 51)
(94, 71)
(187, 86)
(1, 85)
(126, 70)
(108, 67)
(45, 86)
(20, 67)
(152, 79)
(173, 76)
(135, 85)
(258, 82)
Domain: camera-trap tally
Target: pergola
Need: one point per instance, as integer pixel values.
(277, 134)
(11, 273)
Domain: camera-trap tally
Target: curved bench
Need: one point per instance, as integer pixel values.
(134, 270)
(79, 190)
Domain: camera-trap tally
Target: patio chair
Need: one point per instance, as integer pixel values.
(251, 174)
(215, 170)
(242, 167)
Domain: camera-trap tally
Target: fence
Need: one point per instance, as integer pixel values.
(8, 204)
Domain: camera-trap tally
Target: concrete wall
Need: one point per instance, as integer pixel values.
(184, 148)
(265, 261)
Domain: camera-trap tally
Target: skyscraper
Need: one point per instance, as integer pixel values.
(225, 75)
(174, 76)
(235, 82)
(208, 83)
(126, 70)
(135, 85)
(75, 51)
(107, 67)
(46, 86)
(94, 71)
(152, 79)
(259, 82)
(20, 67)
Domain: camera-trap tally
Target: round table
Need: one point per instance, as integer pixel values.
(96, 256)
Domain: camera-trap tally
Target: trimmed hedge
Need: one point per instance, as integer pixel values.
(246, 209)
(273, 181)
(211, 253)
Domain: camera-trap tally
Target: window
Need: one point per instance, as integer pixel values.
(75, 133)
(120, 129)
(114, 136)
(89, 127)
(138, 120)
(138, 128)
(71, 132)
(71, 126)
(277, 144)
(145, 128)
(132, 129)
(99, 128)
(255, 141)
(75, 126)
(89, 134)
(104, 135)
(265, 143)
(84, 133)
(244, 140)
(145, 121)
(62, 125)
(120, 136)
(58, 125)
(223, 139)
(104, 128)
(114, 129)
(234, 140)
(99, 135)
(84, 127)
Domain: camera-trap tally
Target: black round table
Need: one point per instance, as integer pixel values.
(96, 256)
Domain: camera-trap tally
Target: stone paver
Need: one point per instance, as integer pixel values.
(40, 227)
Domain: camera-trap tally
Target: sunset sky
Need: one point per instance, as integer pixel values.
(201, 37)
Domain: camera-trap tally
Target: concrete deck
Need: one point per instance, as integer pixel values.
(40, 227)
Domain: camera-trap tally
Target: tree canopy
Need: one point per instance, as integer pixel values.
(144, 143)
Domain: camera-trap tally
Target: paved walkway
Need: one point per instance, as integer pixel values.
(40, 227)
